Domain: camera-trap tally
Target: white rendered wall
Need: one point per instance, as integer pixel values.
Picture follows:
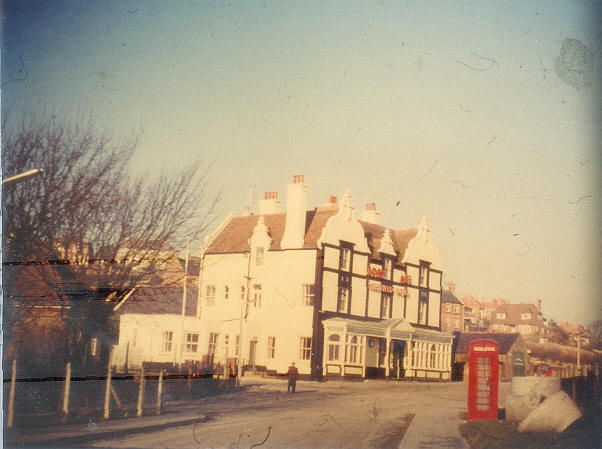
(281, 313)
(141, 339)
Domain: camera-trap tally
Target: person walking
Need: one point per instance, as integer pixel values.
(292, 373)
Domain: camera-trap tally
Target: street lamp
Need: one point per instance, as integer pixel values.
(243, 316)
(21, 176)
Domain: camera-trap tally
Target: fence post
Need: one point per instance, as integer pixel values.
(108, 387)
(66, 391)
(159, 391)
(140, 393)
(11, 396)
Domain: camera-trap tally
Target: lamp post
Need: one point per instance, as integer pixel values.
(21, 176)
(243, 317)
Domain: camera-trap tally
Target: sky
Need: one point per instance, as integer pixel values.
(483, 116)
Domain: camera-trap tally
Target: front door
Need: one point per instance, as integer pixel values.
(252, 353)
(397, 351)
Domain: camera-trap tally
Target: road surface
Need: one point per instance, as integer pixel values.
(372, 414)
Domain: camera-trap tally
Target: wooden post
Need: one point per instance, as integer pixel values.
(66, 391)
(159, 391)
(140, 393)
(11, 396)
(108, 388)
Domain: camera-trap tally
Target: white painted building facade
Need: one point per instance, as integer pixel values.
(336, 295)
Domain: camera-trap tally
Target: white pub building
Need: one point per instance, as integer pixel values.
(340, 297)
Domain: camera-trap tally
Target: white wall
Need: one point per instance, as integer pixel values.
(281, 314)
(141, 339)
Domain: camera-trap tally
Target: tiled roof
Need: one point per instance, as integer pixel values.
(505, 341)
(449, 297)
(400, 239)
(236, 234)
(160, 301)
(514, 312)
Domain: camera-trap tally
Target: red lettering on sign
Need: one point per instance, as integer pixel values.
(376, 272)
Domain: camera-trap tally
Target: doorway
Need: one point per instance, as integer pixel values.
(398, 351)
(252, 352)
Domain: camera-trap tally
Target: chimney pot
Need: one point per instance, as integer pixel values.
(332, 200)
(298, 179)
(269, 204)
(371, 215)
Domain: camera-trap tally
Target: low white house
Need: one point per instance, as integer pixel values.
(155, 328)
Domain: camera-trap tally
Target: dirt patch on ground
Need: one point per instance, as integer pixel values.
(505, 435)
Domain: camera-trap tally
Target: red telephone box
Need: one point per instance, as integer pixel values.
(483, 375)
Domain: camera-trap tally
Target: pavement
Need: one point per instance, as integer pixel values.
(62, 435)
(435, 426)
(437, 429)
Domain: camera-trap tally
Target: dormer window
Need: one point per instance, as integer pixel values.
(259, 255)
(423, 275)
(525, 316)
(388, 268)
(345, 259)
(500, 315)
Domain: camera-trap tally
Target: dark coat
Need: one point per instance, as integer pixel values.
(292, 373)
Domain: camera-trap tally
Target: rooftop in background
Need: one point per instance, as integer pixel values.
(505, 341)
(449, 298)
(159, 300)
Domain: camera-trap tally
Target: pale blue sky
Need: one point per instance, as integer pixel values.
(454, 109)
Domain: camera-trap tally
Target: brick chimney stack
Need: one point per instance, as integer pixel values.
(296, 204)
(371, 215)
(270, 204)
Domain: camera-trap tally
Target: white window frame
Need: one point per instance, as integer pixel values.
(388, 268)
(259, 255)
(343, 299)
(385, 306)
(192, 342)
(210, 295)
(345, 259)
(212, 343)
(166, 341)
(309, 294)
(257, 294)
(422, 308)
(271, 347)
(304, 348)
(334, 348)
(354, 349)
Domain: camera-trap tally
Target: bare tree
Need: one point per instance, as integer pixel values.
(595, 331)
(86, 230)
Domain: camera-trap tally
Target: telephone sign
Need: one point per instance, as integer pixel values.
(483, 375)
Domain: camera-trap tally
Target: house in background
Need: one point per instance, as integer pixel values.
(452, 312)
(338, 296)
(473, 319)
(513, 354)
(525, 319)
